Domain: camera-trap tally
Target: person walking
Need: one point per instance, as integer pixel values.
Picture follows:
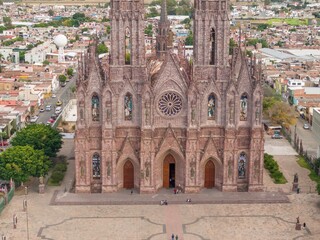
(172, 236)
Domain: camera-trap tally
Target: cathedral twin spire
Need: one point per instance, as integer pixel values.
(163, 31)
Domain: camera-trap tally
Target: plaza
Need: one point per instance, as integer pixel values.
(271, 214)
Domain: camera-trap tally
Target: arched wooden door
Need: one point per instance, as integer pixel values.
(209, 175)
(169, 171)
(128, 175)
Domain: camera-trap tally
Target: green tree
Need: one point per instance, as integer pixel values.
(108, 29)
(51, 12)
(283, 114)
(62, 78)
(102, 48)
(148, 30)
(45, 62)
(7, 22)
(263, 26)
(152, 12)
(254, 41)
(70, 72)
(21, 162)
(232, 45)
(40, 137)
(189, 39)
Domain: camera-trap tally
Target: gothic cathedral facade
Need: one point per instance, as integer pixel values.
(161, 121)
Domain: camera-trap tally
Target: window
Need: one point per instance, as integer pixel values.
(211, 106)
(170, 104)
(127, 47)
(213, 46)
(95, 108)
(242, 166)
(96, 166)
(244, 107)
(128, 107)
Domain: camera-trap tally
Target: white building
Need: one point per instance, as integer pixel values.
(38, 54)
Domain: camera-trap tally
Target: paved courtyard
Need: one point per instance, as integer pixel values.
(61, 215)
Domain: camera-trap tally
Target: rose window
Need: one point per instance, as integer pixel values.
(170, 104)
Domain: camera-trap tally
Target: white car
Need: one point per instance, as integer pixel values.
(306, 126)
(34, 119)
(53, 96)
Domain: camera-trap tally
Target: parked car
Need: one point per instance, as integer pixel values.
(277, 136)
(34, 119)
(54, 116)
(4, 143)
(51, 120)
(58, 110)
(53, 96)
(48, 108)
(306, 126)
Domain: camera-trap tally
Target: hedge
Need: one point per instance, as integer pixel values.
(272, 166)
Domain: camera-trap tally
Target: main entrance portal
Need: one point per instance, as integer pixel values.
(209, 175)
(169, 172)
(128, 175)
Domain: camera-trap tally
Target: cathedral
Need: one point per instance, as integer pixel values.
(148, 122)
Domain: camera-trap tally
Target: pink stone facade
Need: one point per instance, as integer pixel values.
(133, 115)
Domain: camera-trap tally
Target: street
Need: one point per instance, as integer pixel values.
(309, 140)
(64, 94)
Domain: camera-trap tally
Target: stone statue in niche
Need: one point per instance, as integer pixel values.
(257, 113)
(231, 112)
(230, 168)
(256, 169)
(193, 111)
(82, 167)
(147, 166)
(147, 113)
(81, 114)
(108, 113)
(192, 167)
(108, 169)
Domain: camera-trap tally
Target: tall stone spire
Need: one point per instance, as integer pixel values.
(163, 31)
(164, 14)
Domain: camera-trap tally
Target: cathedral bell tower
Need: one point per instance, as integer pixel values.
(163, 31)
(211, 32)
(127, 33)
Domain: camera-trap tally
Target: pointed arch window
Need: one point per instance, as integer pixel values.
(242, 165)
(213, 46)
(95, 107)
(128, 105)
(244, 107)
(127, 47)
(96, 173)
(211, 106)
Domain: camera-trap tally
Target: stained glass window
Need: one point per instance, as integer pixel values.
(128, 107)
(96, 166)
(170, 104)
(242, 165)
(244, 107)
(211, 106)
(95, 108)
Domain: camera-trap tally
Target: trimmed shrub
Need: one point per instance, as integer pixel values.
(272, 166)
(57, 176)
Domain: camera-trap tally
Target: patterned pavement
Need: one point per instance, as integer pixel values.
(61, 215)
